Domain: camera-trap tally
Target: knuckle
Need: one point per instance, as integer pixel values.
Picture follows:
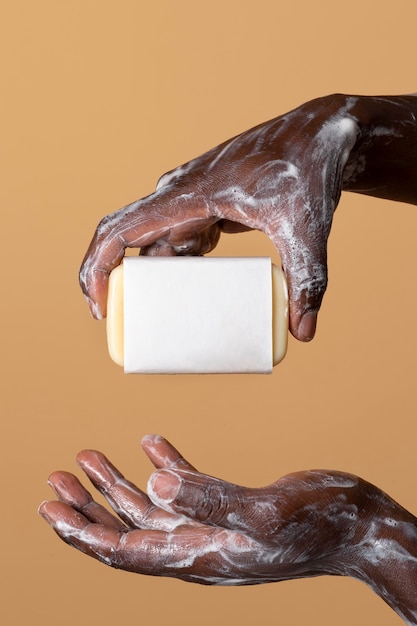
(213, 505)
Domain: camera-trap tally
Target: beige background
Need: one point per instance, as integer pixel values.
(98, 99)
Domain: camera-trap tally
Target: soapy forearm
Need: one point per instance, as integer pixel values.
(383, 162)
(384, 555)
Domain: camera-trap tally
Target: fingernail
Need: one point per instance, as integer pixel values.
(307, 326)
(43, 512)
(41, 508)
(95, 309)
(164, 485)
(152, 439)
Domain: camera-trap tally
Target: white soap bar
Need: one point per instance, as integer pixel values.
(172, 315)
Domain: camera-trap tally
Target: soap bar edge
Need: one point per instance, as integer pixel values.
(115, 315)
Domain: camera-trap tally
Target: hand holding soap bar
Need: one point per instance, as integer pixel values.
(197, 315)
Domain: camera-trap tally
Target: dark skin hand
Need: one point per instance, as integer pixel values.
(284, 178)
(200, 529)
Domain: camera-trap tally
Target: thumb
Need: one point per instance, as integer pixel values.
(306, 273)
(199, 497)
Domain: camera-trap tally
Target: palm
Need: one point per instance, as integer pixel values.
(273, 533)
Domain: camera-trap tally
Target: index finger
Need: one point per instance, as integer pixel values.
(130, 503)
(163, 454)
(142, 223)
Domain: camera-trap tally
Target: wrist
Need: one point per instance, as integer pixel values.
(383, 554)
(383, 161)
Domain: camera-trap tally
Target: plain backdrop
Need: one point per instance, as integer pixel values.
(98, 99)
